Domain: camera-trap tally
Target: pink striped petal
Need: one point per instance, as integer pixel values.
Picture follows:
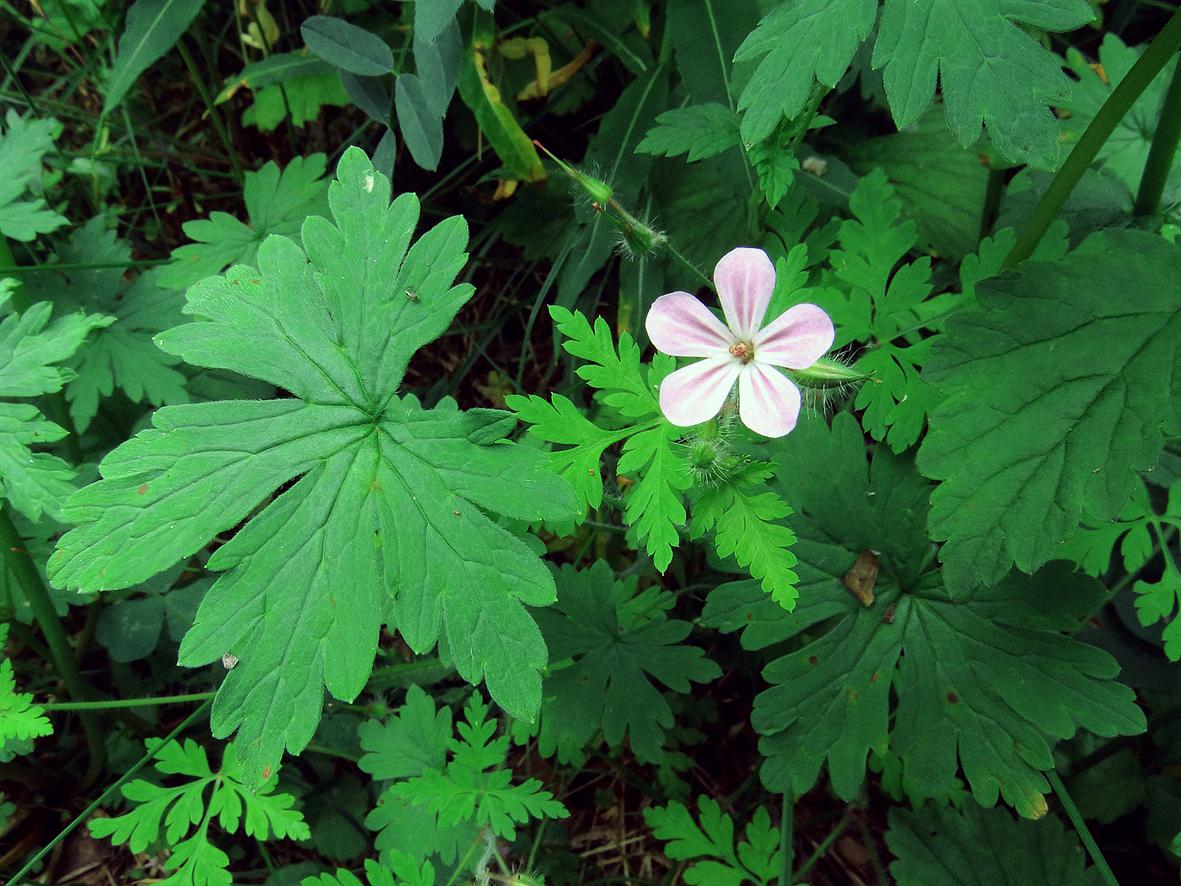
(680, 325)
(768, 403)
(696, 393)
(745, 279)
(797, 338)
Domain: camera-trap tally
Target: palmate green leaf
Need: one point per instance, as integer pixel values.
(152, 28)
(985, 684)
(800, 43)
(20, 719)
(1125, 151)
(31, 351)
(23, 142)
(941, 846)
(204, 797)
(1059, 387)
(277, 201)
(710, 845)
(301, 99)
(620, 645)
(991, 71)
(375, 494)
(699, 131)
(122, 354)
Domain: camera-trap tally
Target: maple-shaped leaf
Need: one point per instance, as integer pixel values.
(23, 142)
(203, 797)
(716, 861)
(986, 684)
(799, 43)
(941, 846)
(20, 719)
(122, 354)
(991, 71)
(32, 350)
(699, 131)
(1058, 389)
(620, 646)
(367, 495)
(1125, 151)
(277, 201)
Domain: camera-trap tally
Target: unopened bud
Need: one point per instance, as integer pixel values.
(599, 191)
(828, 373)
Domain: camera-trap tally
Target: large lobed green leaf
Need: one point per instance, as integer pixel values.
(370, 503)
(1061, 383)
(986, 684)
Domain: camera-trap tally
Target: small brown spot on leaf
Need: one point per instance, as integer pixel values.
(861, 577)
(750, 616)
(874, 678)
(888, 618)
(266, 772)
(142, 489)
(953, 698)
(854, 695)
(813, 660)
(456, 513)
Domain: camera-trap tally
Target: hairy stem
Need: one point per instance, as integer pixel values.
(787, 855)
(12, 548)
(127, 702)
(1162, 152)
(1163, 47)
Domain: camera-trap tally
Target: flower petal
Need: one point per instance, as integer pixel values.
(797, 338)
(745, 279)
(696, 393)
(768, 403)
(680, 325)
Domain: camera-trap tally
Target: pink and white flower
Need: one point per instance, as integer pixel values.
(742, 350)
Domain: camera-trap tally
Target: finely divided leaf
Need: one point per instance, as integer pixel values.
(710, 846)
(23, 142)
(20, 719)
(699, 131)
(366, 495)
(1060, 384)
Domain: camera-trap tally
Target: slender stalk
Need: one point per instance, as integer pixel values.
(20, 876)
(127, 702)
(1163, 48)
(12, 549)
(825, 845)
(787, 854)
(78, 266)
(211, 108)
(993, 192)
(1080, 826)
(1163, 150)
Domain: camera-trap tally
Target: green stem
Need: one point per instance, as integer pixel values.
(1164, 149)
(80, 266)
(211, 108)
(12, 549)
(993, 192)
(1080, 826)
(127, 702)
(1163, 47)
(18, 879)
(787, 854)
(825, 845)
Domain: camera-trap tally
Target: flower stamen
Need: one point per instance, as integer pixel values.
(743, 350)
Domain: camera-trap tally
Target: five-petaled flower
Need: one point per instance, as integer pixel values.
(743, 350)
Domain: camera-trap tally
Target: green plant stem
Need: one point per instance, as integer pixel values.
(20, 876)
(1162, 152)
(127, 702)
(1080, 826)
(12, 548)
(81, 266)
(211, 109)
(825, 845)
(787, 855)
(1162, 48)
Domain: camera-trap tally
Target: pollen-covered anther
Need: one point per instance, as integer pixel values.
(743, 350)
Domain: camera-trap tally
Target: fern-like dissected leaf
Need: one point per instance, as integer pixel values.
(205, 796)
(379, 497)
(23, 142)
(620, 646)
(20, 719)
(699, 131)
(716, 861)
(400, 869)
(122, 354)
(986, 684)
(445, 789)
(32, 350)
(277, 201)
